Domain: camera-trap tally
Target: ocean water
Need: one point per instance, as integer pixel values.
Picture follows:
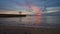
(32, 21)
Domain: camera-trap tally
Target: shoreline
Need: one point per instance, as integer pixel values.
(27, 30)
(12, 15)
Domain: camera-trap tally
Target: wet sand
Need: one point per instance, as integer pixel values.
(27, 30)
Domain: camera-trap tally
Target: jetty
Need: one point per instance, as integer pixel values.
(13, 15)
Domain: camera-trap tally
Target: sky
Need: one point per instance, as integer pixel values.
(17, 5)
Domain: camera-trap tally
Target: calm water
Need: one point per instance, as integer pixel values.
(32, 21)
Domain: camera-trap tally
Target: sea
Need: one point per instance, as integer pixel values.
(37, 21)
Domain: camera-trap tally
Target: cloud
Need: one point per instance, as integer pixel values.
(22, 4)
(53, 9)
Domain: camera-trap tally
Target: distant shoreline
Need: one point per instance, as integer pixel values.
(12, 15)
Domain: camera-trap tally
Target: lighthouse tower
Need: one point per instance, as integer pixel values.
(20, 12)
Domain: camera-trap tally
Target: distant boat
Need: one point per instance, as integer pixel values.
(13, 15)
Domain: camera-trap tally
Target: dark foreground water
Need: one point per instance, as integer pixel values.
(32, 21)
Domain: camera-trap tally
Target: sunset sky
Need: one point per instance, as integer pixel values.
(23, 5)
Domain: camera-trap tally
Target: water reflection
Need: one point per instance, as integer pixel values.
(32, 21)
(38, 20)
(20, 19)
